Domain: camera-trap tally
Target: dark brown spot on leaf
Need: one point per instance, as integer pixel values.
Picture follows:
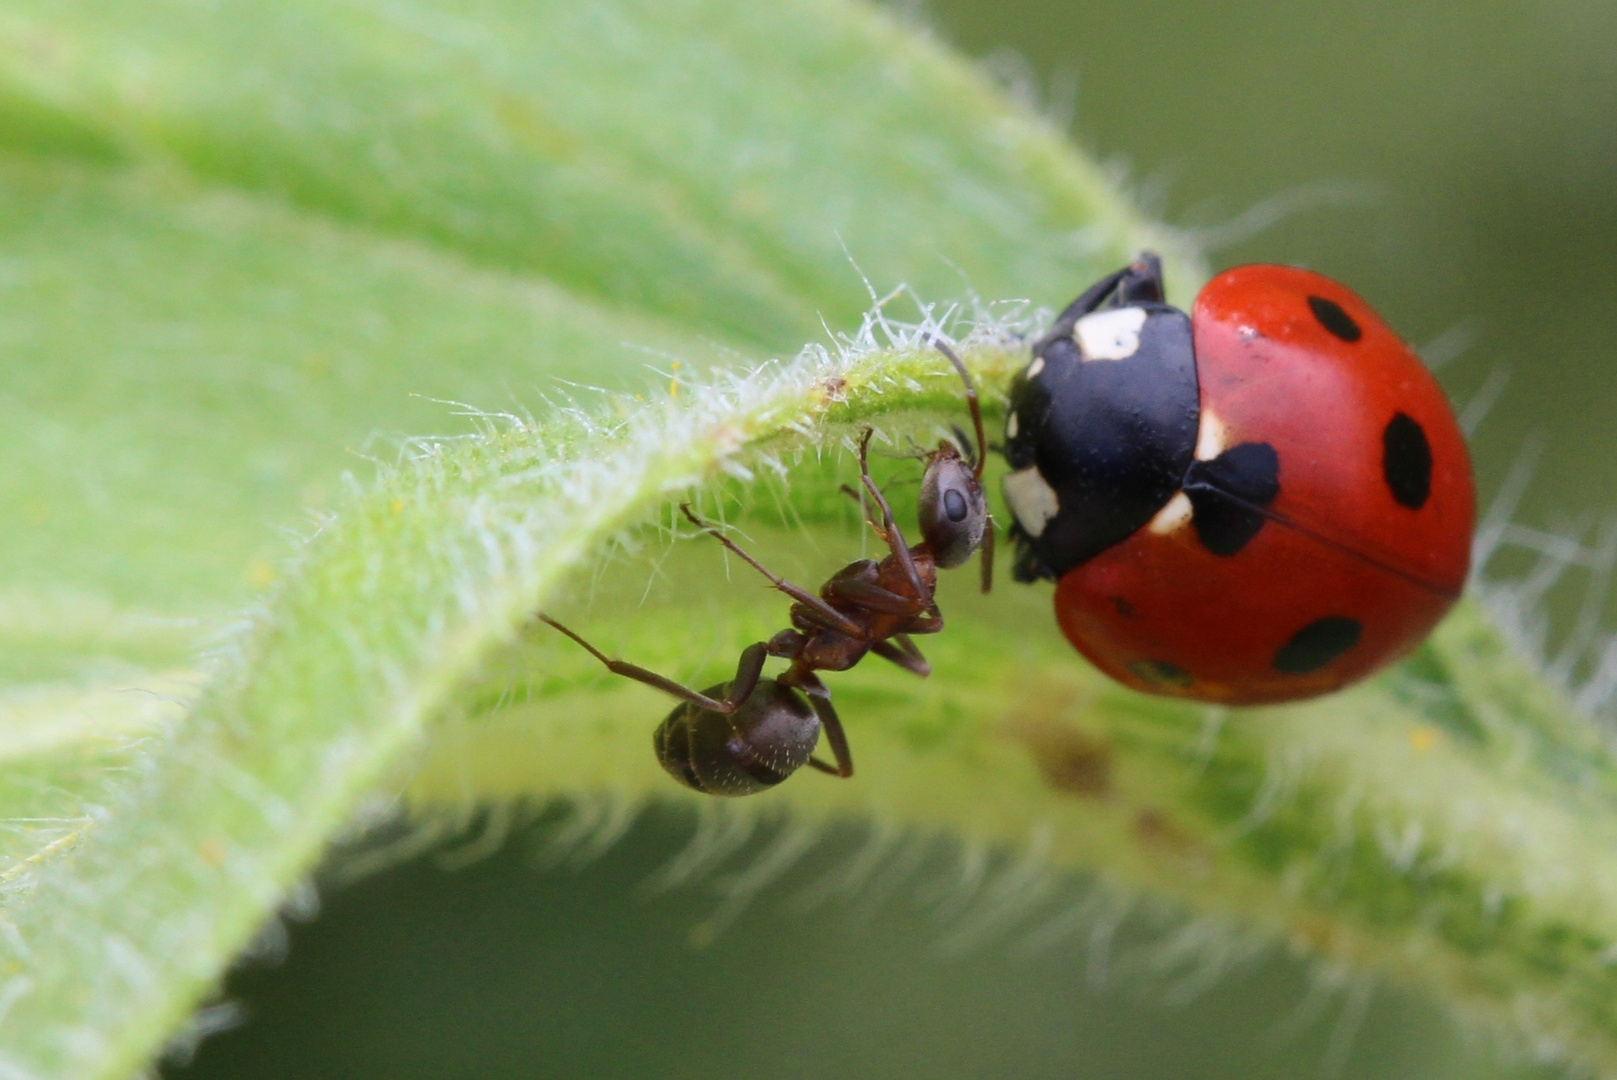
(1070, 759)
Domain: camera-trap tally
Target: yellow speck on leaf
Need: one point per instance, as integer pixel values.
(673, 382)
(1422, 738)
(212, 851)
(396, 505)
(260, 573)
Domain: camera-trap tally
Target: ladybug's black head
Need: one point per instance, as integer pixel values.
(1102, 422)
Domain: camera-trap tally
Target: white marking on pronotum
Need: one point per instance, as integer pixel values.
(1034, 368)
(1210, 436)
(1176, 513)
(1012, 426)
(1109, 335)
(1033, 501)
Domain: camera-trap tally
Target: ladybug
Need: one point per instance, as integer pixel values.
(1261, 501)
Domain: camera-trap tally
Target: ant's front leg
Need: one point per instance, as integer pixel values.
(895, 539)
(748, 670)
(864, 511)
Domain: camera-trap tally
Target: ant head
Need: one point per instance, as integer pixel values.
(954, 513)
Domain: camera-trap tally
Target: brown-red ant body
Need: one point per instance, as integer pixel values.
(749, 734)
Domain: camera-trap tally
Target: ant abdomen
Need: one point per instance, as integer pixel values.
(771, 735)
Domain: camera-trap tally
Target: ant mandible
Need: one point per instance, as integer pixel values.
(747, 735)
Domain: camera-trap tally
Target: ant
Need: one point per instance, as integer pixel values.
(749, 734)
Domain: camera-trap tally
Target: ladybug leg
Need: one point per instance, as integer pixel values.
(1140, 281)
(1091, 298)
(894, 538)
(831, 615)
(748, 670)
(819, 699)
(904, 654)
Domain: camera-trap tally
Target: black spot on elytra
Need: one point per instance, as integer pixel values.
(1124, 608)
(1228, 494)
(1317, 644)
(1406, 461)
(1333, 318)
(1071, 759)
(1161, 673)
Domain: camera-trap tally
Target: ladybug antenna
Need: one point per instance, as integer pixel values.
(979, 458)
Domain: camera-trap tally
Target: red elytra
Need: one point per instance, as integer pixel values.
(1354, 562)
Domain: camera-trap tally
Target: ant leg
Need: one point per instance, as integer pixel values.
(864, 510)
(873, 597)
(930, 623)
(820, 701)
(802, 596)
(1141, 280)
(895, 539)
(748, 670)
(904, 654)
(986, 554)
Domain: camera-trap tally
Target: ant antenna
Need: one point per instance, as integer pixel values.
(971, 403)
(979, 459)
(964, 442)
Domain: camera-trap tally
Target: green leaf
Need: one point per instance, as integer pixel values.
(247, 246)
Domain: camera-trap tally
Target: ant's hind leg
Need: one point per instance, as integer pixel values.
(748, 671)
(820, 701)
(986, 556)
(904, 654)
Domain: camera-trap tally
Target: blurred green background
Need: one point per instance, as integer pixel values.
(1457, 164)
